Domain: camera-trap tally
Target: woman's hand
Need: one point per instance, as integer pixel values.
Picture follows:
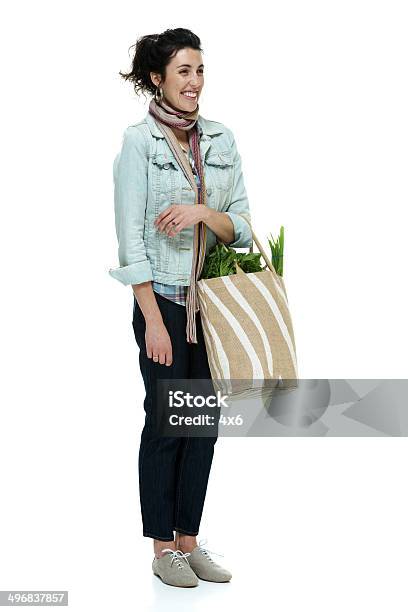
(158, 343)
(178, 216)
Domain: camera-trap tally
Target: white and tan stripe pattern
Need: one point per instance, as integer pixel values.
(276, 313)
(217, 359)
(247, 327)
(237, 329)
(246, 306)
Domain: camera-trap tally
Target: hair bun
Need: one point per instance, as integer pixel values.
(152, 54)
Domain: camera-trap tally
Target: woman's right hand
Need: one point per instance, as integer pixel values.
(158, 343)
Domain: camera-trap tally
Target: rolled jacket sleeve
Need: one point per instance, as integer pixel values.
(239, 203)
(130, 198)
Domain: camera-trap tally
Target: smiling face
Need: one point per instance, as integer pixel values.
(184, 80)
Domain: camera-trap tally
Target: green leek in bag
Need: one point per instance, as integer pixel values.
(276, 247)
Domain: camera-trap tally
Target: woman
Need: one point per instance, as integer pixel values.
(178, 190)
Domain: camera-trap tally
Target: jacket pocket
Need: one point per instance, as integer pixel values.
(166, 173)
(165, 161)
(219, 168)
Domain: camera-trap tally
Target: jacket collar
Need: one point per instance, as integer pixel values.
(205, 127)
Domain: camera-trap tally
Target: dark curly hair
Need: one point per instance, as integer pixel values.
(152, 54)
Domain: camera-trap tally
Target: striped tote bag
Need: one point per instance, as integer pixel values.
(248, 330)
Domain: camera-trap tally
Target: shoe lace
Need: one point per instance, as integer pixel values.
(206, 552)
(177, 556)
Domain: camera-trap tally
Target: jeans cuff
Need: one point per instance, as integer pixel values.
(156, 537)
(186, 532)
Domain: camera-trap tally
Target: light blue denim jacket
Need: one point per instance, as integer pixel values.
(148, 179)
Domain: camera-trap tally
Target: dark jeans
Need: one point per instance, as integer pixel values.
(173, 472)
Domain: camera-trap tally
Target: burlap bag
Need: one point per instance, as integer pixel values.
(248, 330)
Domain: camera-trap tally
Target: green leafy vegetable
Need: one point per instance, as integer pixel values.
(220, 260)
(276, 247)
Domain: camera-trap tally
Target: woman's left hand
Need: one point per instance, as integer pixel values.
(178, 216)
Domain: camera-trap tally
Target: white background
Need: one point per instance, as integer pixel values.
(316, 95)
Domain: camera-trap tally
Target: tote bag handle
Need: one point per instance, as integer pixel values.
(260, 247)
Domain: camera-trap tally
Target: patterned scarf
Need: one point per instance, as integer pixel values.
(166, 118)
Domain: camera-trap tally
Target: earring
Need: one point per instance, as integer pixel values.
(160, 90)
